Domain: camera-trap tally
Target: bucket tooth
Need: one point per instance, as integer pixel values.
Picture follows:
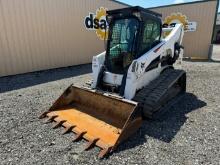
(104, 152)
(58, 124)
(68, 129)
(50, 119)
(43, 115)
(79, 136)
(91, 144)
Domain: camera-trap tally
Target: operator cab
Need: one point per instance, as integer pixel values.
(132, 33)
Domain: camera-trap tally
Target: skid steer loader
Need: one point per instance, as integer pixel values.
(132, 80)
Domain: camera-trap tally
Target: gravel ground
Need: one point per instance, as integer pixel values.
(188, 134)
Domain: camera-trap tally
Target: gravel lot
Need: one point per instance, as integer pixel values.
(188, 134)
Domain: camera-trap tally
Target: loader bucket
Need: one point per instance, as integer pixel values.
(102, 120)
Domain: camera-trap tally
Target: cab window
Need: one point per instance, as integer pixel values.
(151, 35)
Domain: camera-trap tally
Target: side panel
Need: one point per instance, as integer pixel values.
(137, 76)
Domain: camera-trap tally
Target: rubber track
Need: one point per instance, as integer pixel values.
(149, 98)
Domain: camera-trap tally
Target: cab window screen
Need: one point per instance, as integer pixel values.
(122, 44)
(151, 35)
